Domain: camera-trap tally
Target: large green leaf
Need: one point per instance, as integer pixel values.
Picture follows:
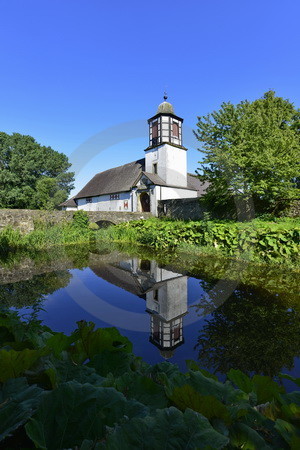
(168, 429)
(192, 365)
(289, 377)
(242, 436)
(141, 388)
(74, 412)
(59, 342)
(116, 363)
(288, 431)
(18, 402)
(224, 392)
(266, 389)
(90, 343)
(68, 371)
(13, 363)
(241, 380)
(164, 367)
(187, 397)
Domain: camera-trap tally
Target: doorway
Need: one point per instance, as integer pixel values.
(145, 202)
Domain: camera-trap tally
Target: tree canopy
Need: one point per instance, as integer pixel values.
(252, 152)
(31, 175)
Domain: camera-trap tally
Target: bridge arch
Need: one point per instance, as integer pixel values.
(104, 223)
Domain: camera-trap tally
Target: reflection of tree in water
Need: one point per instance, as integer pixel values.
(29, 292)
(253, 331)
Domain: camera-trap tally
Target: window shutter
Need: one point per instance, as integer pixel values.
(175, 129)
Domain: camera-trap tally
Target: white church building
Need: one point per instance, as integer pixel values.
(139, 185)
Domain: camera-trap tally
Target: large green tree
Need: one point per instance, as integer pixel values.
(31, 175)
(251, 152)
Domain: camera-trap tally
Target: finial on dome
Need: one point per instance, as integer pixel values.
(165, 107)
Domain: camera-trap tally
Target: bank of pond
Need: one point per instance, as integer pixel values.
(274, 241)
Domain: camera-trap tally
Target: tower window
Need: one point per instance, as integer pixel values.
(155, 168)
(154, 130)
(145, 265)
(175, 130)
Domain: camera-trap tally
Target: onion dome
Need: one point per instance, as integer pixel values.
(165, 107)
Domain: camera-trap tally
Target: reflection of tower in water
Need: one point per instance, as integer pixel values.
(165, 293)
(167, 304)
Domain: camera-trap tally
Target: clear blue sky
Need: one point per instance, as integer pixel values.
(70, 69)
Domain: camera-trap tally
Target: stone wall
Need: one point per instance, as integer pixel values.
(192, 209)
(26, 220)
(183, 209)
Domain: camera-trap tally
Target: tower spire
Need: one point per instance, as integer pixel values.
(165, 96)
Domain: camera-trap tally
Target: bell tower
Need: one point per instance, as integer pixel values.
(165, 155)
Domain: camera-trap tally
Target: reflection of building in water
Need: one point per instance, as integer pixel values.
(165, 293)
(167, 304)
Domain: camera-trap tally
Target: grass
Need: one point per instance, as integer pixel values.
(46, 236)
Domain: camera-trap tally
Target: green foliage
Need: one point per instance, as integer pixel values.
(80, 219)
(32, 176)
(49, 193)
(73, 412)
(10, 239)
(18, 401)
(88, 391)
(252, 153)
(170, 428)
(44, 236)
(257, 240)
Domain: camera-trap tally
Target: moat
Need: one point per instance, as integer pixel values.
(220, 313)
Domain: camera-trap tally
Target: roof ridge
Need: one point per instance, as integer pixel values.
(122, 165)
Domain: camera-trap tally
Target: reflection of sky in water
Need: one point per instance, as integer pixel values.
(61, 312)
(143, 299)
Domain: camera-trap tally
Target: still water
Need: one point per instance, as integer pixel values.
(222, 314)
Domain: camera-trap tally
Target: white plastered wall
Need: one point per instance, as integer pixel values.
(168, 193)
(69, 208)
(104, 203)
(172, 299)
(171, 164)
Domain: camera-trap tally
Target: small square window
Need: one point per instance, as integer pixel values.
(89, 200)
(114, 197)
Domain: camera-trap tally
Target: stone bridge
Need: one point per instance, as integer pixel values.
(25, 220)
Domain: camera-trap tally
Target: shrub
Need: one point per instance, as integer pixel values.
(257, 240)
(80, 219)
(10, 239)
